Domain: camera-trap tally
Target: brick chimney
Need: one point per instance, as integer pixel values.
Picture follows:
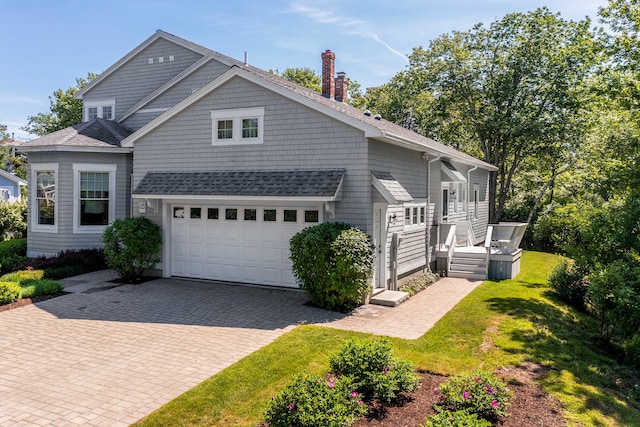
(342, 84)
(328, 72)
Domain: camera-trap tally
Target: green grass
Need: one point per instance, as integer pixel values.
(498, 324)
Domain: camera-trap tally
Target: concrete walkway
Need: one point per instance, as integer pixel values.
(109, 354)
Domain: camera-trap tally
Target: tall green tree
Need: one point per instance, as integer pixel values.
(310, 79)
(65, 110)
(507, 93)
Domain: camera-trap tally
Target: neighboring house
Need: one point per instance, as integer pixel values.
(10, 186)
(232, 161)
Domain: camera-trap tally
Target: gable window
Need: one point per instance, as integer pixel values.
(225, 129)
(240, 126)
(45, 213)
(415, 215)
(94, 197)
(107, 112)
(99, 109)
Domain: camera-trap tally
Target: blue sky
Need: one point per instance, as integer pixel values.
(46, 44)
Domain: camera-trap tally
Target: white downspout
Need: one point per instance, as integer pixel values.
(429, 219)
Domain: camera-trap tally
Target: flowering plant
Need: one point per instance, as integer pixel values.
(316, 401)
(374, 370)
(479, 392)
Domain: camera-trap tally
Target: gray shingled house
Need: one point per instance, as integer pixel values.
(232, 161)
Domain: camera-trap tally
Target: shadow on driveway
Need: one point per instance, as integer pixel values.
(190, 302)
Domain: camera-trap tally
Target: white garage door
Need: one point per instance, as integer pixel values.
(239, 244)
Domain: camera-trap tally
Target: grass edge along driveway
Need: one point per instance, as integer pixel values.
(498, 324)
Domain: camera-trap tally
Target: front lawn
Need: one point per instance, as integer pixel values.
(498, 324)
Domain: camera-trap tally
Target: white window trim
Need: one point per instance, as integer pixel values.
(99, 104)
(43, 167)
(237, 116)
(89, 167)
(417, 207)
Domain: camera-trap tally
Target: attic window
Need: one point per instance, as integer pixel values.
(235, 127)
(102, 109)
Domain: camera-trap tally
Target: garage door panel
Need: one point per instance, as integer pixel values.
(270, 255)
(243, 251)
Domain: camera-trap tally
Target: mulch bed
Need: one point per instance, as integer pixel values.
(27, 301)
(530, 405)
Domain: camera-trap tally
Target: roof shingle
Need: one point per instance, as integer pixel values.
(273, 183)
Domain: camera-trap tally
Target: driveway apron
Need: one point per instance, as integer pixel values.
(109, 354)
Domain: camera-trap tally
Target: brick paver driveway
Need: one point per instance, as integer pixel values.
(109, 355)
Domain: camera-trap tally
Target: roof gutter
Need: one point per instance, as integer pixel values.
(416, 146)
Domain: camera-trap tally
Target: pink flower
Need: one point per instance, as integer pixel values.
(494, 403)
(478, 379)
(360, 402)
(331, 383)
(466, 395)
(291, 406)
(489, 389)
(436, 391)
(354, 394)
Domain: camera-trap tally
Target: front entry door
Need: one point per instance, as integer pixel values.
(380, 242)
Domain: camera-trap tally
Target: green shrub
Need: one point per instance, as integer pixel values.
(309, 401)
(9, 292)
(13, 219)
(446, 418)
(34, 287)
(479, 392)
(22, 275)
(569, 283)
(614, 297)
(333, 263)
(12, 254)
(69, 263)
(416, 284)
(632, 349)
(375, 372)
(132, 246)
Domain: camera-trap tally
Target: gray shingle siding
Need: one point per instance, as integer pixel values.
(40, 243)
(137, 78)
(183, 89)
(295, 137)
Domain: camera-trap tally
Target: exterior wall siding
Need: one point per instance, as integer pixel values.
(11, 188)
(48, 244)
(137, 78)
(295, 137)
(410, 170)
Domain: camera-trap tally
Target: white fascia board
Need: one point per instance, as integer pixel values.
(237, 198)
(60, 148)
(418, 146)
(12, 177)
(162, 89)
(369, 131)
(179, 107)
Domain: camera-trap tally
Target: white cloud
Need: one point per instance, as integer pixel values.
(348, 25)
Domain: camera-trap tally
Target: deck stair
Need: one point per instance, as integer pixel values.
(469, 262)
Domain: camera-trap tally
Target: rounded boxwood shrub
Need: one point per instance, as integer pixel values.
(375, 372)
(9, 292)
(333, 263)
(132, 246)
